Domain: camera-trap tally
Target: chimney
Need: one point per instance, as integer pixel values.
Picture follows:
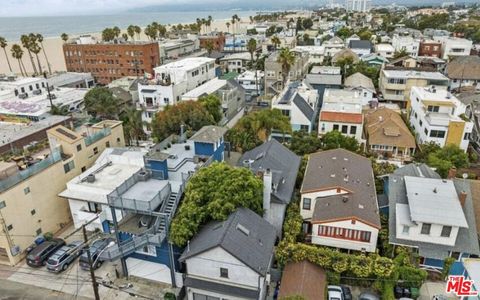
(452, 173)
(462, 197)
(267, 191)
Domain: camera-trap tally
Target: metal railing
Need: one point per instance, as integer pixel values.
(117, 251)
(97, 136)
(34, 169)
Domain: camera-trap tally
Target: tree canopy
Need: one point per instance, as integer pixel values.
(193, 114)
(447, 157)
(212, 194)
(334, 139)
(305, 143)
(254, 128)
(101, 103)
(213, 105)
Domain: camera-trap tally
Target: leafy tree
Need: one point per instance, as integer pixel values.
(334, 139)
(108, 34)
(209, 47)
(446, 158)
(365, 35)
(424, 150)
(133, 125)
(255, 128)
(276, 42)
(344, 32)
(307, 23)
(116, 31)
(213, 105)
(271, 31)
(304, 143)
(64, 37)
(213, 194)
(192, 114)
(27, 44)
(397, 54)
(101, 103)
(380, 169)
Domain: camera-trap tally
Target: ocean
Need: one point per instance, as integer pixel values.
(12, 28)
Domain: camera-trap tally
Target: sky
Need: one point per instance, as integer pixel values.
(81, 7)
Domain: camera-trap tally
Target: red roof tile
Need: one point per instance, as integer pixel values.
(331, 116)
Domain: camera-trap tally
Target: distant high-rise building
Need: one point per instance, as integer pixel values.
(358, 5)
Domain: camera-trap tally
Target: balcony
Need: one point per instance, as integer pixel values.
(95, 137)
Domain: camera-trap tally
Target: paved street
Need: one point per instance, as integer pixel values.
(10, 290)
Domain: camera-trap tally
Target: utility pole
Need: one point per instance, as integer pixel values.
(92, 273)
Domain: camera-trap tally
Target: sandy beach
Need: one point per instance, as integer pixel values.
(53, 48)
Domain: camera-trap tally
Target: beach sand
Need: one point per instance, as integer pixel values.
(53, 48)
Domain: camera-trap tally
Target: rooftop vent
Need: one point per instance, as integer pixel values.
(345, 199)
(435, 190)
(243, 229)
(332, 175)
(143, 175)
(91, 178)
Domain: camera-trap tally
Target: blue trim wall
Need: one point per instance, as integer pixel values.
(218, 155)
(158, 167)
(106, 226)
(205, 149)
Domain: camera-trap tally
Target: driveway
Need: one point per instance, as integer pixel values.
(430, 289)
(10, 290)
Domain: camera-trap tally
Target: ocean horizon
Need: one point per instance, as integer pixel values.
(12, 28)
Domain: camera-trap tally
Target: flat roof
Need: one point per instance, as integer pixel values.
(241, 55)
(415, 74)
(434, 201)
(62, 79)
(208, 87)
(145, 190)
(440, 94)
(188, 63)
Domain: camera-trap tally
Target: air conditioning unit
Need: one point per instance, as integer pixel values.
(91, 178)
(143, 175)
(52, 96)
(23, 96)
(37, 92)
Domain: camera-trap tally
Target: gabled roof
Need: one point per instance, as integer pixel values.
(303, 279)
(360, 80)
(245, 235)
(339, 168)
(209, 134)
(360, 44)
(344, 53)
(306, 109)
(464, 67)
(386, 127)
(282, 162)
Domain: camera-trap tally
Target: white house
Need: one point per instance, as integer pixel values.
(452, 46)
(385, 50)
(438, 116)
(408, 43)
(338, 201)
(252, 82)
(236, 62)
(170, 82)
(230, 259)
(342, 111)
(333, 46)
(316, 53)
(363, 84)
(298, 102)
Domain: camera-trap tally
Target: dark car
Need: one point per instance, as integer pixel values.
(63, 257)
(347, 294)
(96, 249)
(39, 255)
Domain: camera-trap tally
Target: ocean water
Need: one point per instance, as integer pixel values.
(12, 28)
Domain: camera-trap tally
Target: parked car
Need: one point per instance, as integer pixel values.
(401, 292)
(368, 296)
(39, 255)
(335, 292)
(38, 240)
(96, 249)
(347, 294)
(63, 257)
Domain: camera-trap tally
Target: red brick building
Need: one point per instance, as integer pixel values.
(110, 61)
(430, 48)
(218, 41)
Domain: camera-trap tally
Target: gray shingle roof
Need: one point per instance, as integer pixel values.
(360, 44)
(221, 288)
(254, 249)
(209, 134)
(283, 164)
(347, 170)
(304, 107)
(326, 79)
(467, 240)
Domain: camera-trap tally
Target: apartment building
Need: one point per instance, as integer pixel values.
(273, 71)
(252, 82)
(358, 5)
(27, 207)
(438, 116)
(108, 61)
(408, 43)
(430, 48)
(341, 111)
(395, 83)
(236, 62)
(464, 71)
(217, 40)
(333, 46)
(385, 50)
(170, 82)
(453, 46)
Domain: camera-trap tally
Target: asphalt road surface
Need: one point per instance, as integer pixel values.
(10, 290)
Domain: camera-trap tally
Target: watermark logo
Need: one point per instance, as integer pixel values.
(460, 286)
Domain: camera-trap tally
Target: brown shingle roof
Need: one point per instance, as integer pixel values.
(466, 67)
(386, 127)
(331, 116)
(349, 171)
(342, 54)
(303, 279)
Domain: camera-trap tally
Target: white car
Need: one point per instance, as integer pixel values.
(335, 292)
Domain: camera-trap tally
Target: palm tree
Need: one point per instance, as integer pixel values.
(209, 22)
(116, 31)
(3, 44)
(17, 53)
(138, 30)
(26, 43)
(40, 40)
(276, 42)
(131, 31)
(252, 47)
(209, 47)
(133, 125)
(286, 58)
(64, 37)
(125, 36)
(234, 19)
(35, 48)
(228, 26)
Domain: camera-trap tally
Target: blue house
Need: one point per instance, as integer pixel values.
(148, 201)
(433, 216)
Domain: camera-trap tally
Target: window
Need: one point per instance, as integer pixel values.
(420, 122)
(204, 297)
(286, 112)
(26, 190)
(224, 272)
(335, 127)
(406, 229)
(416, 116)
(9, 227)
(426, 131)
(432, 108)
(94, 207)
(304, 127)
(437, 134)
(344, 129)
(446, 231)
(95, 150)
(353, 130)
(2, 204)
(79, 147)
(107, 144)
(84, 168)
(118, 140)
(69, 166)
(39, 231)
(426, 228)
(466, 136)
(307, 203)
